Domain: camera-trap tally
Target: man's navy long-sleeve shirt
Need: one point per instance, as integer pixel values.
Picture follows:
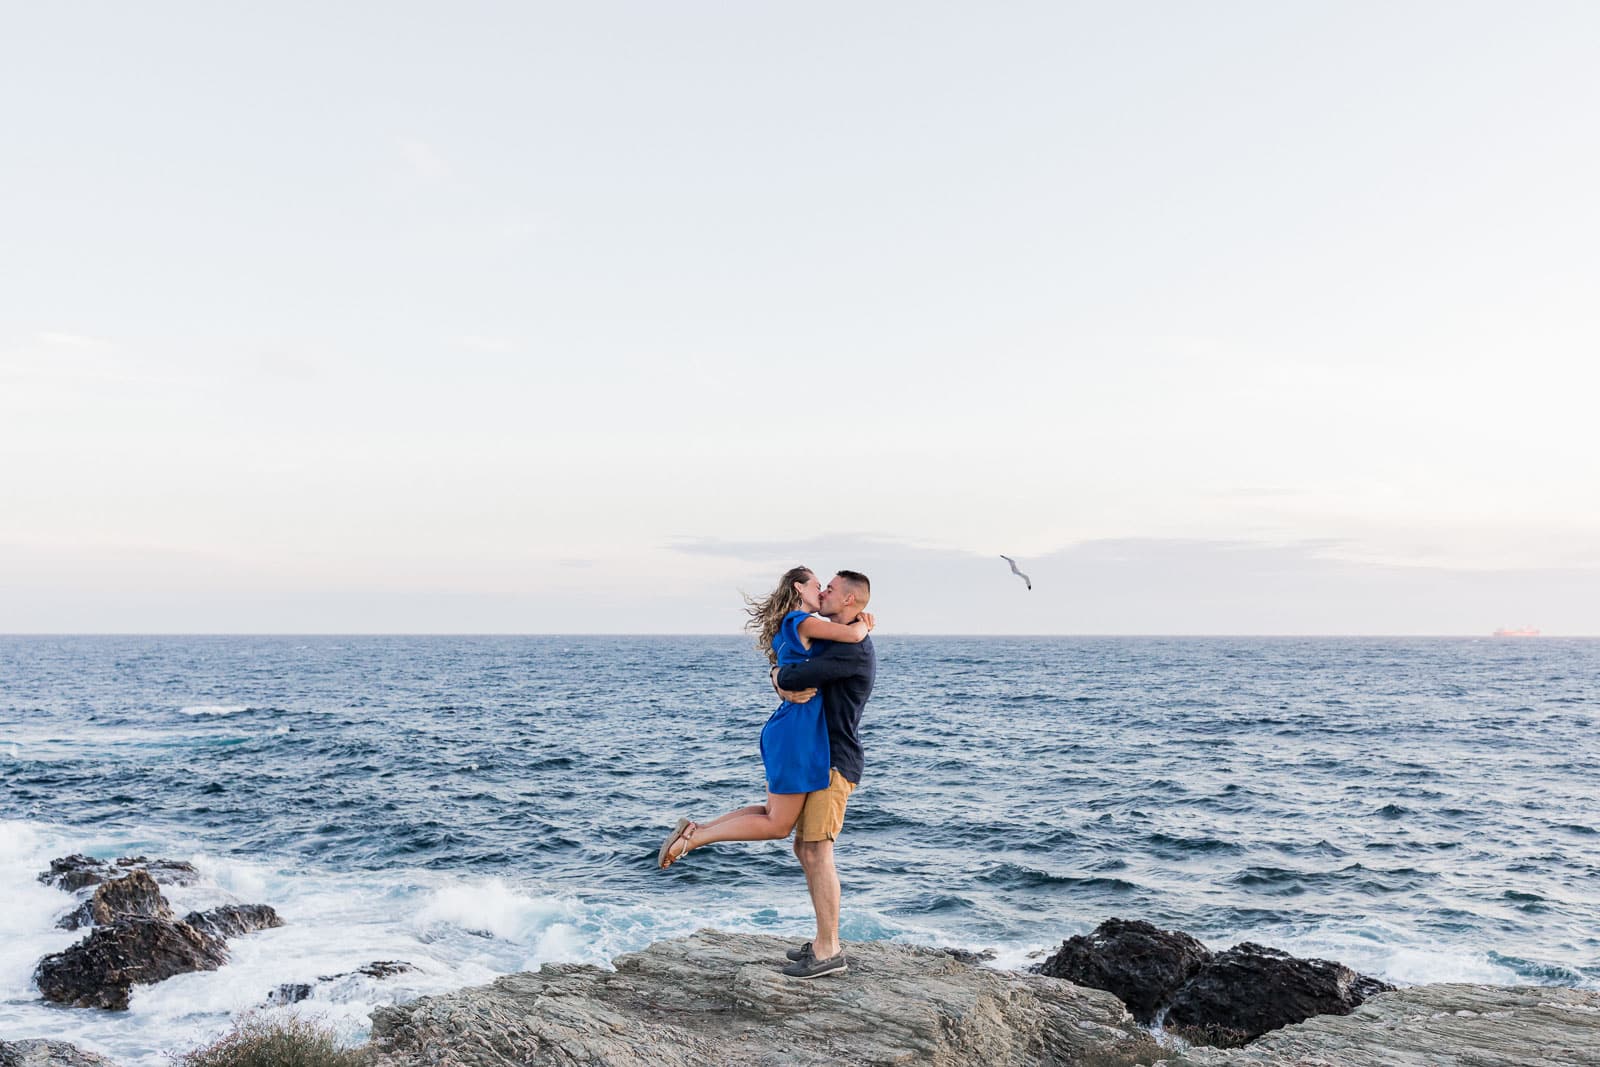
(844, 672)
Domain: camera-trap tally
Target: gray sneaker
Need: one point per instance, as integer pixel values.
(811, 967)
(797, 954)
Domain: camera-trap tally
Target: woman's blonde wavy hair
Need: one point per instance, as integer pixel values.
(766, 613)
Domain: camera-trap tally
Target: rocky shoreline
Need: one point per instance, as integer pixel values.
(716, 1000)
(1127, 993)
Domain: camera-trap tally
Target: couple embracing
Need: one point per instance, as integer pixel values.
(823, 667)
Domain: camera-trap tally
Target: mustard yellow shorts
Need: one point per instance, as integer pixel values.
(823, 815)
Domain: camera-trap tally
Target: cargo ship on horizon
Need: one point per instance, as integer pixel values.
(1520, 631)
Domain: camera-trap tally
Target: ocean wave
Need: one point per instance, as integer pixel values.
(214, 709)
(1202, 844)
(1017, 876)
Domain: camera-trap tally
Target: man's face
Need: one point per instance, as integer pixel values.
(835, 596)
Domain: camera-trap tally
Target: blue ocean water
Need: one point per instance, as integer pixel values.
(1422, 810)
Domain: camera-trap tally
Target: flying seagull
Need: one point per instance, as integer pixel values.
(1018, 573)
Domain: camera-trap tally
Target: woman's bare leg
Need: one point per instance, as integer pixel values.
(748, 809)
(757, 822)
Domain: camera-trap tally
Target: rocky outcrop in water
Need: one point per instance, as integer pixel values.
(1432, 1026)
(101, 970)
(1143, 965)
(78, 871)
(48, 1054)
(135, 895)
(135, 938)
(719, 999)
(294, 992)
(233, 920)
(1224, 998)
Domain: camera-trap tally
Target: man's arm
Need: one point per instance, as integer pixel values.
(828, 665)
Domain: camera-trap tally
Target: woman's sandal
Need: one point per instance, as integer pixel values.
(681, 832)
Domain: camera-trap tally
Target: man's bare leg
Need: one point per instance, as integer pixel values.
(822, 882)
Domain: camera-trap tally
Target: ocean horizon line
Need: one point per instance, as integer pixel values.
(1119, 635)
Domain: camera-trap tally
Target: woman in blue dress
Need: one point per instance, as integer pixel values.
(794, 742)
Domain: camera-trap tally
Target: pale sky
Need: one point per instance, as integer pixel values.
(1225, 318)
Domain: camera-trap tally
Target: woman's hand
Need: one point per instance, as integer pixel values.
(866, 618)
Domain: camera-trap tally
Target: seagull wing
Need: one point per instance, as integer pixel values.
(1017, 572)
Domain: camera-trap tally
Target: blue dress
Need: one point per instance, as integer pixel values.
(794, 742)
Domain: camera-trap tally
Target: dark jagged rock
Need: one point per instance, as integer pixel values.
(1140, 963)
(133, 896)
(1251, 989)
(99, 971)
(167, 872)
(48, 1054)
(75, 872)
(294, 992)
(78, 871)
(289, 993)
(136, 938)
(232, 920)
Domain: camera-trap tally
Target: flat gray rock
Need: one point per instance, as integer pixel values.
(718, 999)
(48, 1054)
(1433, 1026)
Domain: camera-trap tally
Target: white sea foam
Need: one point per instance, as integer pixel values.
(455, 931)
(214, 709)
(1385, 952)
(1418, 966)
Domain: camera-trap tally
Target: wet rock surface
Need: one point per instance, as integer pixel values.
(101, 970)
(78, 871)
(1251, 989)
(134, 895)
(1433, 1026)
(233, 920)
(135, 937)
(1224, 998)
(1141, 964)
(719, 999)
(289, 993)
(294, 992)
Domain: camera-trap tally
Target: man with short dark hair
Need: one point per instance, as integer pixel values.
(845, 674)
